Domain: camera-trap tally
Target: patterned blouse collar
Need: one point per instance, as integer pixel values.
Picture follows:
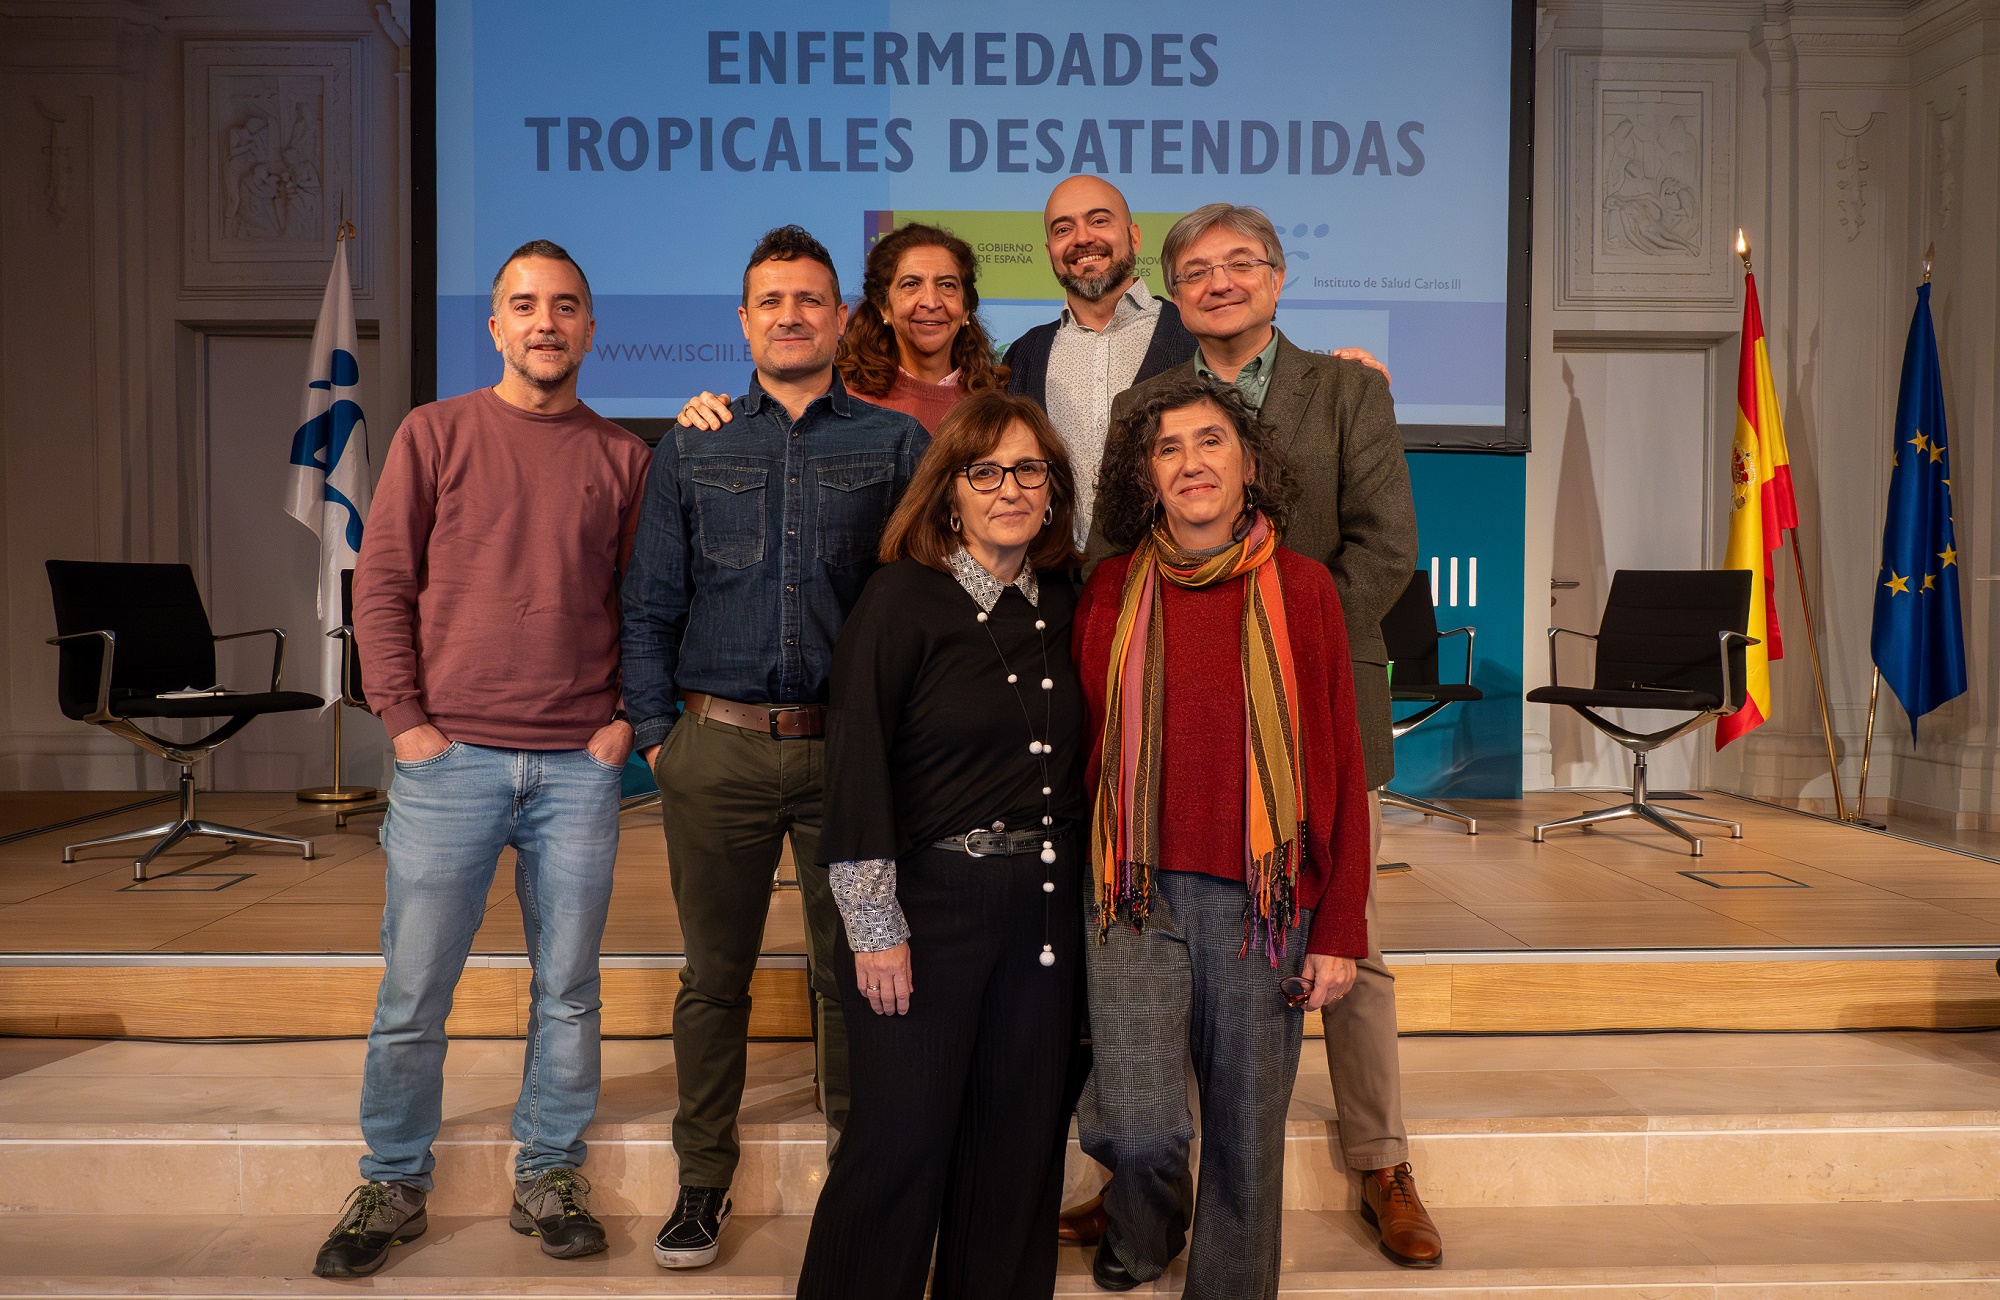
(984, 588)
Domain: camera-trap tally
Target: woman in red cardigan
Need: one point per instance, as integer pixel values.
(1229, 835)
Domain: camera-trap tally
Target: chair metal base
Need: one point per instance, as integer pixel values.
(1390, 799)
(184, 827)
(1664, 817)
(341, 815)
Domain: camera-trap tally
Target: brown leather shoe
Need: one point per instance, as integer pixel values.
(1389, 1201)
(1082, 1225)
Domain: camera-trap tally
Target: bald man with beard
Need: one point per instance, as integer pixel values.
(1112, 333)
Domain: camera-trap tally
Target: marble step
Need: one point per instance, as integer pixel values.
(1937, 1251)
(1644, 1120)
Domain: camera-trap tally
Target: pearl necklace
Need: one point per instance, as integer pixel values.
(1041, 749)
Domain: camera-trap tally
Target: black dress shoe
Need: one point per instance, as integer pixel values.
(377, 1216)
(551, 1206)
(1108, 1271)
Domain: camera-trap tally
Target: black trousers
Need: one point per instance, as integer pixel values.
(957, 1127)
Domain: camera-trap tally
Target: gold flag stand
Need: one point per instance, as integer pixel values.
(339, 792)
(1812, 637)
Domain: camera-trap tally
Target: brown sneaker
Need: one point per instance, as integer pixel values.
(1389, 1201)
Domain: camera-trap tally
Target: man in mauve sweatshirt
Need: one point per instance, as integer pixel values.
(486, 611)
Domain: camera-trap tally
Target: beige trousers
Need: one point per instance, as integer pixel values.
(1361, 1045)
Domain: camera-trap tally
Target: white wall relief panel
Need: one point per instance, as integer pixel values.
(271, 151)
(1645, 161)
(1944, 127)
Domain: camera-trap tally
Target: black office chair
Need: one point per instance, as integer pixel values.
(1670, 639)
(1411, 631)
(135, 642)
(353, 695)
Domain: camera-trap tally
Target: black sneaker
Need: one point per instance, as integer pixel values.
(690, 1238)
(551, 1206)
(377, 1216)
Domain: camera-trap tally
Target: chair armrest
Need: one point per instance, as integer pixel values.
(102, 713)
(1722, 645)
(1554, 677)
(277, 649)
(1469, 633)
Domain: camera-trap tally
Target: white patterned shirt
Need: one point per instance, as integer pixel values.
(1087, 369)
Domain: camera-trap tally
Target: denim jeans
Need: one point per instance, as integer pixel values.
(449, 817)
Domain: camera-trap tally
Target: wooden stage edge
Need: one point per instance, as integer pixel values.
(1459, 996)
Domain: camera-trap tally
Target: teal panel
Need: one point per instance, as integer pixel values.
(1471, 524)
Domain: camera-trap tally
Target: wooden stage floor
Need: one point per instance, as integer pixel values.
(1793, 881)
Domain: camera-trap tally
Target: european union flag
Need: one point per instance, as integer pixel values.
(1919, 638)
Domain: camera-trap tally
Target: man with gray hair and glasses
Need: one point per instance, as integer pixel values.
(1226, 267)
(1112, 332)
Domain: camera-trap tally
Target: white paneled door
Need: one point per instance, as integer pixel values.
(1631, 495)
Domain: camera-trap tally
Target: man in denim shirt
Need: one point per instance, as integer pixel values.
(754, 542)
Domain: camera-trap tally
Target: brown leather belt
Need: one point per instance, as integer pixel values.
(781, 721)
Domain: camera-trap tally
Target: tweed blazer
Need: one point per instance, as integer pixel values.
(1355, 512)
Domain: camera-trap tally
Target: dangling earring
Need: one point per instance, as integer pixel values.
(1049, 515)
(1247, 518)
(954, 523)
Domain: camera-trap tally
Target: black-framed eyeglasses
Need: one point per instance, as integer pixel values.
(1240, 269)
(987, 475)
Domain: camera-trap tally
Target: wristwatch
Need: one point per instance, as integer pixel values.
(619, 715)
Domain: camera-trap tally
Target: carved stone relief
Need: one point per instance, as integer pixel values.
(1850, 174)
(1645, 161)
(1944, 125)
(272, 160)
(59, 158)
(1649, 174)
(271, 139)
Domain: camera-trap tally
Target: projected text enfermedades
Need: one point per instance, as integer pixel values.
(1168, 146)
(656, 143)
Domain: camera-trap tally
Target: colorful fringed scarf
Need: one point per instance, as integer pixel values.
(1125, 824)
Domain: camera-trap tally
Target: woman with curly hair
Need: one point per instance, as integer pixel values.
(914, 343)
(1229, 834)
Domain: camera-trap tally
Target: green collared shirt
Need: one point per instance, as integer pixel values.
(1254, 380)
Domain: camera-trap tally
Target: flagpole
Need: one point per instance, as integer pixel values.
(339, 791)
(1875, 683)
(1819, 679)
(1812, 638)
(1860, 817)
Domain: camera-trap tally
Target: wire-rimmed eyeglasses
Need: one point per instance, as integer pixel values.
(1240, 269)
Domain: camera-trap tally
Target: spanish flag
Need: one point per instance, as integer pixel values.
(1761, 508)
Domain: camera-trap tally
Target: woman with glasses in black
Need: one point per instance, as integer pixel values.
(953, 834)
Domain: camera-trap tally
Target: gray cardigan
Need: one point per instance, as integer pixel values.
(1355, 511)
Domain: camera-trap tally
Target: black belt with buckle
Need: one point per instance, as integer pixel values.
(1001, 844)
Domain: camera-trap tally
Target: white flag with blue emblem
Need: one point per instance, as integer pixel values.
(330, 483)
